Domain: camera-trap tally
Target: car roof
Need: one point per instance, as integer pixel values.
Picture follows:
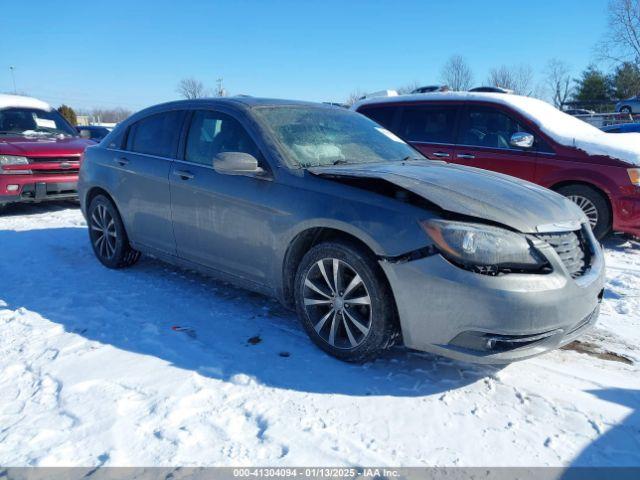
(21, 101)
(490, 97)
(240, 102)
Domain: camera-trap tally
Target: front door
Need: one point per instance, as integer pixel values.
(221, 221)
(484, 142)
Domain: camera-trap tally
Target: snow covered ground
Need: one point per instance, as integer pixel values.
(158, 366)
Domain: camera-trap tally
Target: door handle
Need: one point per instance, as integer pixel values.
(467, 156)
(183, 174)
(122, 161)
(440, 154)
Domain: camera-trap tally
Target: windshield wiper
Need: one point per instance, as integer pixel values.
(340, 161)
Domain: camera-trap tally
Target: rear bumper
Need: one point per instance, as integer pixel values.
(37, 188)
(492, 319)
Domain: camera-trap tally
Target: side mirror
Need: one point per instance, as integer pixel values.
(237, 163)
(522, 140)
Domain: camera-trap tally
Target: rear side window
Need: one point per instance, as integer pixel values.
(428, 124)
(382, 115)
(156, 135)
(212, 133)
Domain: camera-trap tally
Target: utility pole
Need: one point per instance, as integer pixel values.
(13, 77)
(220, 91)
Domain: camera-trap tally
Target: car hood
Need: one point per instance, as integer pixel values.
(42, 146)
(473, 192)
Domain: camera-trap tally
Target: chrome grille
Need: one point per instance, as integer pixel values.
(44, 165)
(572, 249)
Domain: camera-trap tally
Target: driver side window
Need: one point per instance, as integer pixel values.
(212, 133)
(487, 127)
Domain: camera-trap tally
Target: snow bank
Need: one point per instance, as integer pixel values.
(563, 128)
(19, 101)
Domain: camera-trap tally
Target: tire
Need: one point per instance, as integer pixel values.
(626, 110)
(361, 331)
(588, 199)
(107, 235)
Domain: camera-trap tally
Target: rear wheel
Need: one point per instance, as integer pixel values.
(108, 236)
(344, 302)
(594, 205)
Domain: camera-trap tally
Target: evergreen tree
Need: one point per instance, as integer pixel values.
(593, 86)
(69, 114)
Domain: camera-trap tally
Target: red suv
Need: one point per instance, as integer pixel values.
(39, 152)
(525, 138)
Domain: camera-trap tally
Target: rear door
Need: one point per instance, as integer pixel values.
(430, 128)
(142, 191)
(483, 141)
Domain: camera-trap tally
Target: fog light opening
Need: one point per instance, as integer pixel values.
(12, 188)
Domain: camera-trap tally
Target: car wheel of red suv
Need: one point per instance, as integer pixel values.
(594, 205)
(108, 236)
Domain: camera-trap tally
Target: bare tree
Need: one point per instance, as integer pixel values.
(106, 115)
(456, 74)
(519, 78)
(558, 80)
(354, 96)
(191, 88)
(622, 40)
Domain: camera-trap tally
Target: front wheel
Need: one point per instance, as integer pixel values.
(344, 302)
(108, 236)
(594, 205)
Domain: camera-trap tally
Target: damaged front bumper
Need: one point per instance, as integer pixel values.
(468, 316)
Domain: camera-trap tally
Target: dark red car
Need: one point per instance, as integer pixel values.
(525, 138)
(39, 152)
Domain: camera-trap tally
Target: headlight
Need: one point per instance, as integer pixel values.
(11, 160)
(486, 248)
(634, 176)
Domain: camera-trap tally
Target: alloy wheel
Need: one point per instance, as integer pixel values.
(104, 236)
(337, 302)
(587, 207)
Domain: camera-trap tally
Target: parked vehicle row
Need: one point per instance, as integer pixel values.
(356, 222)
(526, 138)
(339, 218)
